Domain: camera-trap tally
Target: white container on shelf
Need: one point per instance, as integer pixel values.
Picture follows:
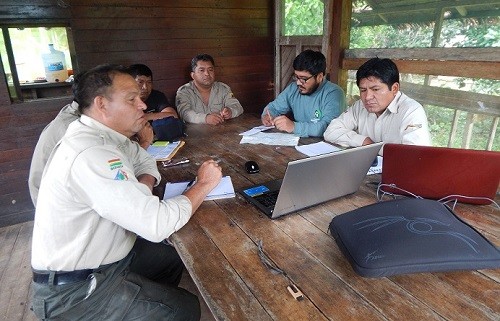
(54, 63)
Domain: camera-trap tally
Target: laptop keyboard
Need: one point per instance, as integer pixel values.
(267, 199)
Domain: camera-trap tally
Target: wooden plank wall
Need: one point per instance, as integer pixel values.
(165, 35)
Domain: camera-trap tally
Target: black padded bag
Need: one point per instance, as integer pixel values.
(409, 236)
(168, 129)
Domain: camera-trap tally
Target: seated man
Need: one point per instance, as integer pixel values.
(204, 100)
(95, 199)
(53, 132)
(155, 100)
(311, 98)
(383, 114)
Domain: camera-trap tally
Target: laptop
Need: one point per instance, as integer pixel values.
(311, 181)
(440, 172)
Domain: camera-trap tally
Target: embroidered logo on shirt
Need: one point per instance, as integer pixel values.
(115, 163)
(317, 116)
(121, 175)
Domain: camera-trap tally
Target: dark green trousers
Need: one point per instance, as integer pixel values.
(114, 293)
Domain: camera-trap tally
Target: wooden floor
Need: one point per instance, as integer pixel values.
(15, 275)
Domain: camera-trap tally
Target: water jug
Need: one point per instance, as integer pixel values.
(54, 63)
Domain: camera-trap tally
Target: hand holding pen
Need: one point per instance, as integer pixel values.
(267, 119)
(226, 113)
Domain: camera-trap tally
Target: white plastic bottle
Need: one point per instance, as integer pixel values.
(54, 63)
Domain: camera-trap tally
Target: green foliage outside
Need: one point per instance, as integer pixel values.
(303, 16)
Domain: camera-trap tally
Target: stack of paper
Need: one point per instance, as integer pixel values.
(225, 189)
(163, 150)
(317, 148)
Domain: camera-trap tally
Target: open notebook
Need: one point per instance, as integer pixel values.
(225, 189)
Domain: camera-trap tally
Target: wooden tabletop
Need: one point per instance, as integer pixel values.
(219, 247)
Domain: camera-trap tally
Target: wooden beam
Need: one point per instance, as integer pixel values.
(459, 54)
(341, 22)
(471, 69)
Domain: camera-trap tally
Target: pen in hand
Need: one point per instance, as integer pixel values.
(189, 185)
(270, 118)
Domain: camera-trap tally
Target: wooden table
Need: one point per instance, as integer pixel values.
(219, 247)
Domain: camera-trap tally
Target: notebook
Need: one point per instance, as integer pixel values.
(439, 172)
(311, 181)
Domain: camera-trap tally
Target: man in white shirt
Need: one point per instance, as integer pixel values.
(95, 198)
(383, 114)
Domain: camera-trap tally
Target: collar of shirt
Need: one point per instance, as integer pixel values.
(394, 105)
(106, 132)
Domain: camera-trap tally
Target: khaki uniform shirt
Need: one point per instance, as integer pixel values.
(91, 206)
(49, 137)
(190, 105)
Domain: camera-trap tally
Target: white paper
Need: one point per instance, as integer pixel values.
(256, 130)
(376, 169)
(317, 148)
(280, 139)
(224, 189)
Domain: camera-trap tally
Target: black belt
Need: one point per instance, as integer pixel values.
(61, 278)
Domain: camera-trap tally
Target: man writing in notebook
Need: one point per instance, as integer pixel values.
(95, 198)
(383, 114)
(312, 100)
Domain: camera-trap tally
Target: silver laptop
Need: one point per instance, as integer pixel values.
(311, 181)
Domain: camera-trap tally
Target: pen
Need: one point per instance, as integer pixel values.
(269, 115)
(170, 163)
(191, 183)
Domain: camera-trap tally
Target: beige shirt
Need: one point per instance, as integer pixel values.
(91, 206)
(191, 108)
(49, 137)
(403, 122)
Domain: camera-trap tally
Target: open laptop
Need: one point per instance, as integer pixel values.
(313, 180)
(438, 172)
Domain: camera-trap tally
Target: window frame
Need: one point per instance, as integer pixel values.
(4, 26)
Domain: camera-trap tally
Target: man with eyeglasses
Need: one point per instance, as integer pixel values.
(312, 100)
(383, 114)
(204, 100)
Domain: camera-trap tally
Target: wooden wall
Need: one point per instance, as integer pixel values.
(165, 35)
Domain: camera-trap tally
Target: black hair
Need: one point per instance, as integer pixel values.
(140, 70)
(309, 60)
(202, 57)
(94, 82)
(384, 69)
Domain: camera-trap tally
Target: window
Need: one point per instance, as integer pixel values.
(36, 62)
(303, 17)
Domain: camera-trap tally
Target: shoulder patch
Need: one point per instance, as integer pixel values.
(121, 175)
(115, 163)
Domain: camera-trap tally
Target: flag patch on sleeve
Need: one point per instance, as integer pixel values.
(115, 163)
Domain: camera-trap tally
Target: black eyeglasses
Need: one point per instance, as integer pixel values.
(302, 80)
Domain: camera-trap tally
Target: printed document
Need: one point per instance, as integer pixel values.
(280, 139)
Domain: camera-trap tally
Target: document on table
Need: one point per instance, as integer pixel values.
(280, 139)
(317, 148)
(256, 130)
(377, 169)
(225, 189)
